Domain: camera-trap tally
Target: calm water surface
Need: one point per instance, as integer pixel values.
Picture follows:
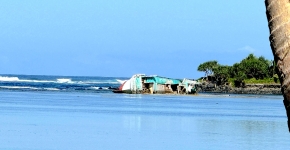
(79, 120)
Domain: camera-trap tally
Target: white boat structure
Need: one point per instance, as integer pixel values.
(143, 84)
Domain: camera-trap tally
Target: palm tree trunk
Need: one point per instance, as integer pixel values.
(278, 15)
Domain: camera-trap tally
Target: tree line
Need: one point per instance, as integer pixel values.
(250, 67)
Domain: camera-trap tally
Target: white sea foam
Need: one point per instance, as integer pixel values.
(59, 80)
(52, 89)
(38, 81)
(28, 87)
(99, 88)
(16, 79)
(9, 78)
(64, 80)
(95, 88)
(19, 87)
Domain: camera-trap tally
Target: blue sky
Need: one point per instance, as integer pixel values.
(124, 37)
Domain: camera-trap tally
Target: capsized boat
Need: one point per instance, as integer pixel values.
(142, 84)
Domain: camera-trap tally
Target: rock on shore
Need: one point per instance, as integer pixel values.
(247, 89)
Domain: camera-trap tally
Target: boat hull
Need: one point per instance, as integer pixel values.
(142, 84)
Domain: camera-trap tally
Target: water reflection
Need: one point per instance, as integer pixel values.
(132, 122)
(141, 122)
(208, 132)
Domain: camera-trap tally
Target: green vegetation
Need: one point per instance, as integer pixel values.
(255, 81)
(208, 67)
(251, 70)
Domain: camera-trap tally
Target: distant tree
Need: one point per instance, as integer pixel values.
(266, 65)
(234, 70)
(239, 78)
(252, 67)
(208, 67)
(222, 74)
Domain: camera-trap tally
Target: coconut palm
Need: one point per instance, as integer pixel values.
(278, 15)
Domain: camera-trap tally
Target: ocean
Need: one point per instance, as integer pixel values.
(57, 112)
(58, 83)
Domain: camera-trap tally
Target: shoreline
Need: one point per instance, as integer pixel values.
(261, 89)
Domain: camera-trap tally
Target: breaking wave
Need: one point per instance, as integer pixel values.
(58, 83)
(18, 87)
(9, 78)
(100, 88)
(59, 80)
(16, 79)
(63, 80)
(28, 88)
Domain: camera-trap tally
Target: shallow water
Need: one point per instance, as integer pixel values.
(74, 120)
